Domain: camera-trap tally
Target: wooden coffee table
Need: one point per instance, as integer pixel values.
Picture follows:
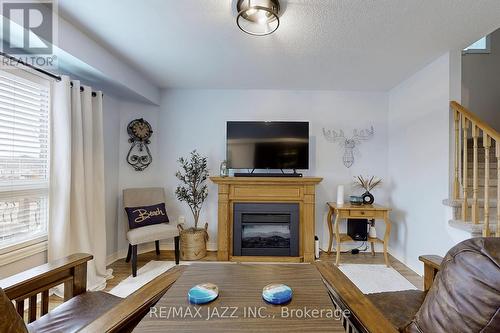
(240, 307)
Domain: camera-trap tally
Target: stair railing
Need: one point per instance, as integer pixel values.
(464, 120)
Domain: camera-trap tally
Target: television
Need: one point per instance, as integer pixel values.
(267, 145)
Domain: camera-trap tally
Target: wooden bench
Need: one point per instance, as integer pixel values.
(97, 311)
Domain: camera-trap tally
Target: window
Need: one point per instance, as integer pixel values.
(24, 157)
(481, 46)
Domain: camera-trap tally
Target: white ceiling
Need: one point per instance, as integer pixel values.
(321, 44)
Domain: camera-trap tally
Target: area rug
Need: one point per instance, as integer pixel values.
(375, 278)
(144, 275)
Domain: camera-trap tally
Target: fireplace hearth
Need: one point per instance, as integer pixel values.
(266, 229)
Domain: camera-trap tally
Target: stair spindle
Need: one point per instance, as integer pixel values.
(456, 184)
(487, 145)
(469, 181)
(475, 178)
(465, 133)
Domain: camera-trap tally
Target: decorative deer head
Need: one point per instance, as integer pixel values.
(349, 144)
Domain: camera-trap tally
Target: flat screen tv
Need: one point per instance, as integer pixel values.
(267, 145)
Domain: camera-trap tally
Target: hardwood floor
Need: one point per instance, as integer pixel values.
(121, 269)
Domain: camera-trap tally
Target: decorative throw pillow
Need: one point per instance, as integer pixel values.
(146, 215)
(10, 320)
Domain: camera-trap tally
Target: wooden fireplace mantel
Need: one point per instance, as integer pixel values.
(266, 189)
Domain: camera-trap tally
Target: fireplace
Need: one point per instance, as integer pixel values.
(266, 229)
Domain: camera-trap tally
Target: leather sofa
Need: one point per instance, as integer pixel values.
(465, 295)
(461, 294)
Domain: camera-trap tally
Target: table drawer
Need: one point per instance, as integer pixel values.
(360, 213)
(366, 214)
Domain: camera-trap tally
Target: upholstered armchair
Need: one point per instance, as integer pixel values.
(139, 197)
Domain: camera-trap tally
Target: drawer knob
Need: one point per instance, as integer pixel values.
(362, 213)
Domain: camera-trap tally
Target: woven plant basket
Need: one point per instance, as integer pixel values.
(193, 242)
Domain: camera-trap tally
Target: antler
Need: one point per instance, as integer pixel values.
(364, 134)
(333, 136)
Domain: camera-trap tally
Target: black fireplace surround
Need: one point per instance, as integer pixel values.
(266, 229)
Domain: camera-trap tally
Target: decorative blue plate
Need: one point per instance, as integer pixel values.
(203, 293)
(277, 293)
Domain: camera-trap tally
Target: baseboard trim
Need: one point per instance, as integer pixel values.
(148, 247)
(211, 246)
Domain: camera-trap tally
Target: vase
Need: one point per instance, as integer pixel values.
(340, 195)
(368, 198)
(223, 170)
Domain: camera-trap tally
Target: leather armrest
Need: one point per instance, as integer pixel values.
(37, 277)
(128, 313)
(369, 316)
(431, 260)
(432, 263)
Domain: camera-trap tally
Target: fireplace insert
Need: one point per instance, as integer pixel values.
(266, 229)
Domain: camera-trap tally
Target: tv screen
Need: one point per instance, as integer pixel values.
(267, 145)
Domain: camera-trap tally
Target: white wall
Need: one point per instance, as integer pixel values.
(481, 83)
(418, 163)
(196, 119)
(88, 59)
(118, 173)
(127, 176)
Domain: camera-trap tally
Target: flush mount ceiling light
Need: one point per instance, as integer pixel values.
(258, 17)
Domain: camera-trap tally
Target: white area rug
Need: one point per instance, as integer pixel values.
(144, 274)
(375, 278)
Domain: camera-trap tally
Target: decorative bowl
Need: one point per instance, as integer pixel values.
(356, 200)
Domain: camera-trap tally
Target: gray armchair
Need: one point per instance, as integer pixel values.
(135, 197)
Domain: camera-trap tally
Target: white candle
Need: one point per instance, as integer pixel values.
(340, 195)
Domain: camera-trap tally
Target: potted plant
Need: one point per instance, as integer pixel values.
(193, 191)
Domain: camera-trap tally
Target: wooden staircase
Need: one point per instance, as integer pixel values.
(476, 182)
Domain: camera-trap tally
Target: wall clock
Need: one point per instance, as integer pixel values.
(139, 156)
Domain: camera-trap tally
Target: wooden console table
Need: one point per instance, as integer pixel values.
(300, 190)
(370, 212)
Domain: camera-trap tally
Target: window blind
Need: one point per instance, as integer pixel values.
(24, 158)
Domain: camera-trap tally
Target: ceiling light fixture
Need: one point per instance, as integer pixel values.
(258, 17)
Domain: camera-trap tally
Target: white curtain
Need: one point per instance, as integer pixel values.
(77, 212)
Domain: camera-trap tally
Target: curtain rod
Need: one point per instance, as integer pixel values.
(40, 70)
(94, 94)
(52, 75)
